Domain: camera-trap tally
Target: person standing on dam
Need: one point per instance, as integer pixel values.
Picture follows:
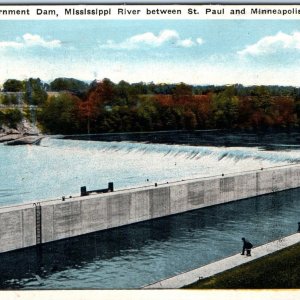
(247, 246)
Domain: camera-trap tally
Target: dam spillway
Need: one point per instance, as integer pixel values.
(41, 222)
(60, 167)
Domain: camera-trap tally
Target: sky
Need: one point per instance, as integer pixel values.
(163, 51)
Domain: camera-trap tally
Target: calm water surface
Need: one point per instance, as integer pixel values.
(136, 255)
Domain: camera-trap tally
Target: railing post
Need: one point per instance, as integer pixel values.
(110, 186)
(83, 191)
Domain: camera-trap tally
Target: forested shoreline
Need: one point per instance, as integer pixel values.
(71, 106)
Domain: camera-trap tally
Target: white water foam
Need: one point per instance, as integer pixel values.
(60, 167)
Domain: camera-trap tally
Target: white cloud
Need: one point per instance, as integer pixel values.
(272, 44)
(186, 43)
(30, 40)
(151, 40)
(199, 41)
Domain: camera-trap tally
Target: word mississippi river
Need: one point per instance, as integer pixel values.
(121, 11)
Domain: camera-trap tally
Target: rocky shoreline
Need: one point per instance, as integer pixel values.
(24, 134)
(14, 139)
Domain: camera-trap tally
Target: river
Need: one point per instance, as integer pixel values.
(60, 167)
(139, 254)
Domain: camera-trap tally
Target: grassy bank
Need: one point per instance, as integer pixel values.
(278, 270)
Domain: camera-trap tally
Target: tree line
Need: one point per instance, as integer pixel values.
(104, 106)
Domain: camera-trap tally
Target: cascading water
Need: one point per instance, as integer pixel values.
(60, 167)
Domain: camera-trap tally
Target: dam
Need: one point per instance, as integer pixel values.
(41, 222)
(56, 249)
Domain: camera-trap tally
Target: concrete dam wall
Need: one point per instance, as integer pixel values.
(36, 223)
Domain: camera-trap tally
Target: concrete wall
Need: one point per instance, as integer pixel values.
(17, 229)
(80, 215)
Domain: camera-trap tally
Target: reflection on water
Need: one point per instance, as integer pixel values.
(139, 254)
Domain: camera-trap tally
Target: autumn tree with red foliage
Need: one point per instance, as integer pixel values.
(100, 94)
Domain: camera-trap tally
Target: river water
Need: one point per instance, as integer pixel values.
(59, 167)
(139, 254)
(136, 255)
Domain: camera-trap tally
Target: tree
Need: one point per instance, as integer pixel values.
(203, 110)
(147, 114)
(11, 117)
(99, 95)
(225, 109)
(283, 111)
(35, 91)
(9, 99)
(76, 86)
(12, 85)
(190, 121)
(122, 90)
(103, 92)
(164, 100)
(60, 114)
(2, 118)
(88, 112)
(182, 93)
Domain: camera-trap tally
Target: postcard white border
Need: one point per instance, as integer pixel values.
(32, 6)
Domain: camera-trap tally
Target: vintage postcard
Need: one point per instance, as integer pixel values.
(149, 147)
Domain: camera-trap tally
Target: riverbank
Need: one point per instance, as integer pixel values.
(255, 275)
(24, 134)
(277, 271)
(14, 139)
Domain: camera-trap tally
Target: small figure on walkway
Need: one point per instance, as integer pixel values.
(247, 246)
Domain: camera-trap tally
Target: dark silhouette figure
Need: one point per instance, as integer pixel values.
(247, 246)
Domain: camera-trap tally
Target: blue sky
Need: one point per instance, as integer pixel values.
(196, 52)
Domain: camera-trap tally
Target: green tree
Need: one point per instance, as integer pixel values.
(69, 84)
(182, 92)
(11, 117)
(190, 120)
(35, 92)
(60, 114)
(13, 85)
(225, 109)
(147, 114)
(2, 117)
(122, 90)
(9, 99)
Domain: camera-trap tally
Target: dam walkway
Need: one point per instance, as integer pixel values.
(225, 264)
